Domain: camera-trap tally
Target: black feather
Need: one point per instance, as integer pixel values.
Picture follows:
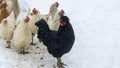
(57, 42)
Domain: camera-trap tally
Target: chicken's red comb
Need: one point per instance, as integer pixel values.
(34, 9)
(5, 21)
(62, 11)
(56, 2)
(27, 19)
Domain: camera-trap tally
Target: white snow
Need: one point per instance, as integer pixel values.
(97, 29)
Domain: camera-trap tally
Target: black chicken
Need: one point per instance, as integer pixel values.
(58, 42)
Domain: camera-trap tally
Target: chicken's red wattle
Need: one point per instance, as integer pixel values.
(62, 23)
(27, 19)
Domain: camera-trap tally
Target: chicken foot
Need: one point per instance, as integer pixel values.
(23, 51)
(32, 40)
(8, 42)
(60, 64)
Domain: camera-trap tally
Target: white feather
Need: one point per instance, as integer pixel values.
(8, 28)
(53, 22)
(34, 19)
(22, 35)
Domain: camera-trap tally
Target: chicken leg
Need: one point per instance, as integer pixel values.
(23, 51)
(32, 40)
(8, 42)
(60, 64)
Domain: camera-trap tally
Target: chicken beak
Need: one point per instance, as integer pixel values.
(36, 24)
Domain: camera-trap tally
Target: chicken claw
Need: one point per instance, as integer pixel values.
(60, 64)
(8, 42)
(32, 43)
(8, 46)
(23, 51)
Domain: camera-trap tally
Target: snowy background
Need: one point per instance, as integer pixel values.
(97, 29)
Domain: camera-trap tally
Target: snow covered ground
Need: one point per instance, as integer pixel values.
(97, 30)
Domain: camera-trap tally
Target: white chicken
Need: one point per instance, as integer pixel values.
(35, 16)
(53, 9)
(7, 27)
(53, 22)
(22, 35)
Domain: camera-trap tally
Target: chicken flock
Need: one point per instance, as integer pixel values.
(53, 29)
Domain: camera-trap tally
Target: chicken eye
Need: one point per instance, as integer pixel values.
(31, 14)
